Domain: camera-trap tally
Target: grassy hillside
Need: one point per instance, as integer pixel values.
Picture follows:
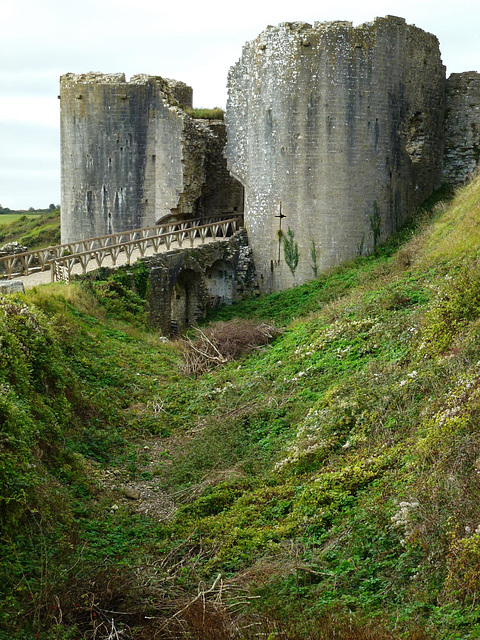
(325, 485)
(7, 218)
(31, 230)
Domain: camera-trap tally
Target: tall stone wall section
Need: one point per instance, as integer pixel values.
(462, 126)
(131, 156)
(221, 192)
(339, 130)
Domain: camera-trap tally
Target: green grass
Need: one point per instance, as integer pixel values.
(331, 477)
(456, 233)
(31, 230)
(206, 114)
(7, 218)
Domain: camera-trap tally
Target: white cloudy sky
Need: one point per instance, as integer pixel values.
(188, 40)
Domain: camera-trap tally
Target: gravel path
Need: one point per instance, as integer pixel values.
(144, 494)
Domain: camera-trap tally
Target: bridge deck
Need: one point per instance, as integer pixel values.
(63, 261)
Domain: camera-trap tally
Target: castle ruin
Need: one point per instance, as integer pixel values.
(335, 134)
(132, 157)
(341, 127)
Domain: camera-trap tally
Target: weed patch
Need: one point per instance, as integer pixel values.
(222, 343)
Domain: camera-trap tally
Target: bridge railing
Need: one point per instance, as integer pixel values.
(63, 265)
(26, 263)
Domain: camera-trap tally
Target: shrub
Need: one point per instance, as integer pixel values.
(463, 580)
(290, 249)
(457, 304)
(223, 342)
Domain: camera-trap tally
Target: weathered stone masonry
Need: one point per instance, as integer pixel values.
(184, 284)
(335, 134)
(131, 156)
(462, 126)
(340, 126)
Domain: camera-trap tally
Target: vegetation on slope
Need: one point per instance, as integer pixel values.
(326, 484)
(31, 230)
(5, 211)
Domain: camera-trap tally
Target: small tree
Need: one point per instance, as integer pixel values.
(313, 255)
(290, 251)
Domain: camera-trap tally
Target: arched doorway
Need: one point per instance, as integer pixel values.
(186, 300)
(219, 282)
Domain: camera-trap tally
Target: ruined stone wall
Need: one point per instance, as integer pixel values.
(181, 92)
(221, 193)
(184, 284)
(462, 126)
(342, 128)
(110, 154)
(208, 187)
(131, 156)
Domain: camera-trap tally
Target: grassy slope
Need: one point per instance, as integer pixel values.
(32, 231)
(332, 478)
(7, 218)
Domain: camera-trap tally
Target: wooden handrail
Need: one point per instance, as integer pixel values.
(63, 265)
(41, 259)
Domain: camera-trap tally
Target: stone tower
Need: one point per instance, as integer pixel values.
(336, 134)
(131, 156)
(462, 126)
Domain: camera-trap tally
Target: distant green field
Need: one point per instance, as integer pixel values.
(6, 218)
(33, 230)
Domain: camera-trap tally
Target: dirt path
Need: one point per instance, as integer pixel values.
(143, 494)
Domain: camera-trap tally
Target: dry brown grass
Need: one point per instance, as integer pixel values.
(208, 621)
(223, 342)
(110, 603)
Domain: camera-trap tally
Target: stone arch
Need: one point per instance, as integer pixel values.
(220, 283)
(168, 218)
(187, 300)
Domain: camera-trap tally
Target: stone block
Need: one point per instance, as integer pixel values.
(11, 286)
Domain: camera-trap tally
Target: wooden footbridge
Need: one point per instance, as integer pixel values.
(125, 247)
